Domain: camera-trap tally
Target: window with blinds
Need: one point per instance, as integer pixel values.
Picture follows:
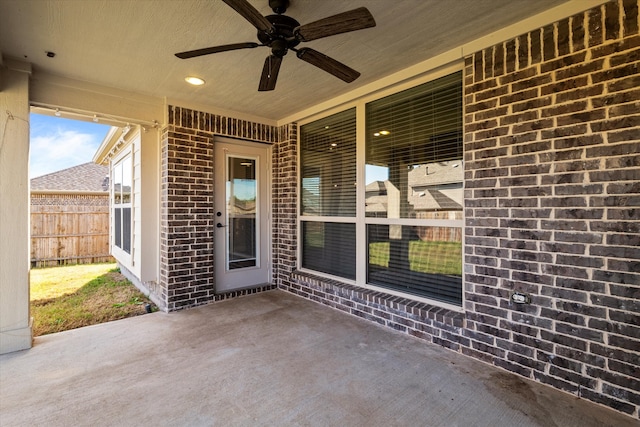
(328, 194)
(328, 164)
(414, 178)
(411, 224)
(414, 150)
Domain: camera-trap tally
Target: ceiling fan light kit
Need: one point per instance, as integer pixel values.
(282, 33)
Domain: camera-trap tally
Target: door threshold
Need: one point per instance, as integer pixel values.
(249, 290)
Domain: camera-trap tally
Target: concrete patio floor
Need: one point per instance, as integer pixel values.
(268, 359)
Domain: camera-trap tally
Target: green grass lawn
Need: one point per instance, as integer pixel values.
(434, 257)
(73, 296)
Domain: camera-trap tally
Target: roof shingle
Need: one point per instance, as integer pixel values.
(85, 177)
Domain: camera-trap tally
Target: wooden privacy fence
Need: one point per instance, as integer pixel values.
(69, 229)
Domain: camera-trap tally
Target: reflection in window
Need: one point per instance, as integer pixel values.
(418, 260)
(242, 189)
(415, 138)
(414, 151)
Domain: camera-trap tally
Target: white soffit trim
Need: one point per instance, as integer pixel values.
(542, 19)
(69, 95)
(111, 138)
(16, 65)
(13, 65)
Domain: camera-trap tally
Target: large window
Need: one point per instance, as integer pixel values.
(121, 188)
(411, 223)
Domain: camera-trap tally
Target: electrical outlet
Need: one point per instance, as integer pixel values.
(520, 298)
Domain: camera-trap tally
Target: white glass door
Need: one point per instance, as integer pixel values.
(242, 215)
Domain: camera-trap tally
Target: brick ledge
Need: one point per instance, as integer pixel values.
(399, 306)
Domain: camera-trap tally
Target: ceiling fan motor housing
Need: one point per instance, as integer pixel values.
(283, 38)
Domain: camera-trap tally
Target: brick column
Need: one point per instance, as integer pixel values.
(285, 205)
(187, 224)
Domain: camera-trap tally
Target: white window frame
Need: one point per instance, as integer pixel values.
(360, 220)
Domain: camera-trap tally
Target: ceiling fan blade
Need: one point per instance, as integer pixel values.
(327, 64)
(270, 73)
(353, 20)
(215, 49)
(251, 14)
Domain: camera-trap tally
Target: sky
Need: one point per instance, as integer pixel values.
(58, 143)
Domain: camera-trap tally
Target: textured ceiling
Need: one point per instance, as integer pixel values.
(130, 45)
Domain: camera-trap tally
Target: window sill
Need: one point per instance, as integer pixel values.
(382, 307)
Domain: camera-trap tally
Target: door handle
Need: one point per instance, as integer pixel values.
(218, 225)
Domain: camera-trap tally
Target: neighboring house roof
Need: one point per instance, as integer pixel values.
(430, 174)
(87, 177)
(433, 186)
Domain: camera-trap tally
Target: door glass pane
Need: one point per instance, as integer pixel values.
(242, 189)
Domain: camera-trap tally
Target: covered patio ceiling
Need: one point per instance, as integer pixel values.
(269, 359)
(130, 45)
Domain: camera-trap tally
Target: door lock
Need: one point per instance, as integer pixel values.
(218, 225)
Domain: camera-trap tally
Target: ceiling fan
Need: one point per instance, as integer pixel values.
(282, 33)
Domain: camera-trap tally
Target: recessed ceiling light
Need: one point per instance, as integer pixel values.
(196, 81)
(384, 132)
